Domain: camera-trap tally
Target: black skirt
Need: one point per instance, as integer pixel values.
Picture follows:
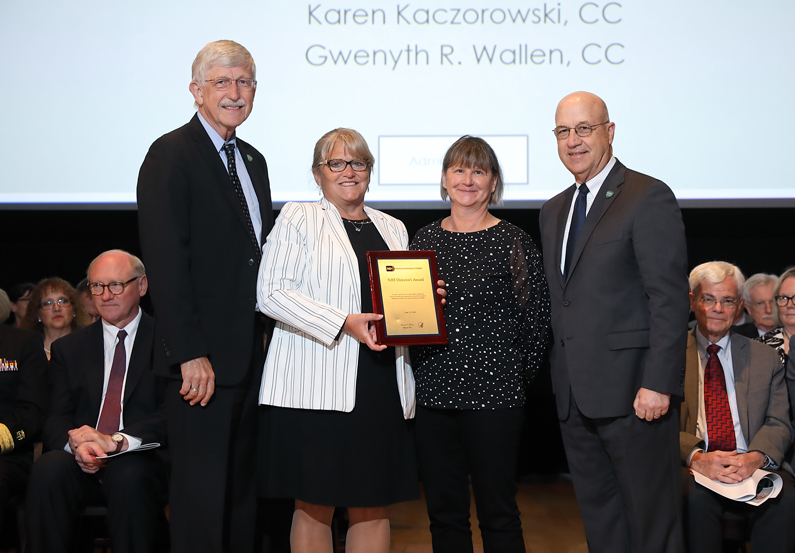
(365, 458)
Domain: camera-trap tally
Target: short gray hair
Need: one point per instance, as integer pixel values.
(759, 279)
(789, 273)
(5, 306)
(714, 272)
(221, 53)
(137, 265)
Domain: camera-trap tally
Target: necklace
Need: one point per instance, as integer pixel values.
(357, 225)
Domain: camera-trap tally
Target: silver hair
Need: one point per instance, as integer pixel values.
(5, 306)
(789, 273)
(759, 279)
(136, 264)
(714, 272)
(221, 53)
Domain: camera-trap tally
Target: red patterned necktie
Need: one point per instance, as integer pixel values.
(111, 409)
(720, 426)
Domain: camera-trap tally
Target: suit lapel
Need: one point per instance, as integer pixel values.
(140, 358)
(259, 180)
(741, 363)
(691, 382)
(599, 207)
(94, 372)
(560, 230)
(220, 175)
(333, 220)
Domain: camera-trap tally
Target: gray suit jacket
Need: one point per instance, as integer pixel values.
(762, 401)
(619, 321)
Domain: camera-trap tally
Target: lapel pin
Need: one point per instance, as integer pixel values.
(249, 158)
(608, 195)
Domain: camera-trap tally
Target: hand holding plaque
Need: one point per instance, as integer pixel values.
(403, 285)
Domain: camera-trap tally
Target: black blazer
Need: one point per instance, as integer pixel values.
(23, 392)
(77, 366)
(201, 263)
(619, 321)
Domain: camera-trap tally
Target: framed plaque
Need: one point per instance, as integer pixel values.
(403, 285)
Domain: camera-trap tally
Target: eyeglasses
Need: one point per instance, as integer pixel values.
(583, 130)
(225, 82)
(763, 304)
(115, 288)
(339, 165)
(49, 304)
(782, 301)
(727, 303)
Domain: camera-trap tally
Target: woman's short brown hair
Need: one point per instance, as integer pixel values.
(56, 284)
(472, 151)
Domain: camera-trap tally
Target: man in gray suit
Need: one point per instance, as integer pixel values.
(616, 264)
(734, 419)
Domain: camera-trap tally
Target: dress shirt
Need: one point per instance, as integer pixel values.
(110, 339)
(242, 173)
(594, 185)
(725, 357)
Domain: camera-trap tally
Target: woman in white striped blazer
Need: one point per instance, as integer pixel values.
(337, 429)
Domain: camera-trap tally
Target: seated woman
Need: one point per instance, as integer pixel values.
(19, 295)
(55, 310)
(471, 391)
(337, 432)
(783, 315)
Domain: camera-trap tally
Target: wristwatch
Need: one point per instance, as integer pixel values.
(119, 440)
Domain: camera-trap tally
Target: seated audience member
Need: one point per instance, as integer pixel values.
(19, 296)
(55, 310)
(23, 400)
(758, 301)
(87, 299)
(734, 418)
(105, 399)
(783, 315)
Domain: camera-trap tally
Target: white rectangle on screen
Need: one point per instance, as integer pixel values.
(413, 160)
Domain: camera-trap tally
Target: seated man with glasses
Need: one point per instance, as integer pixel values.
(105, 399)
(758, 301)
(734, 418)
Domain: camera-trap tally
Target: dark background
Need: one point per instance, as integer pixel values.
(36, 244)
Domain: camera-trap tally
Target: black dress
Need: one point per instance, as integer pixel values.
(365, 458)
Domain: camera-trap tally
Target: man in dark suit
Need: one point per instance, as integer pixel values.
(23, 400)
(758, 302)
(734, 419)
(615, 259)
(106, 399)
(204, 210)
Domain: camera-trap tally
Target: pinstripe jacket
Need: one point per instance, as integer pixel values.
(309, 282)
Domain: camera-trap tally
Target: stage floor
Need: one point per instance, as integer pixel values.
(550, 521)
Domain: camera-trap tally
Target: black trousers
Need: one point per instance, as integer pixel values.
(131, 485)
(626, 474)
(213, 502)
(455, 446)
(14, 473)
(772, 523)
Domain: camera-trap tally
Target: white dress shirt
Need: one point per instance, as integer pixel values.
(594, 185)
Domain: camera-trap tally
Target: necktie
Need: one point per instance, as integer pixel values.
(229, 148)
(577, 220)
(720, 426)
(111, 409)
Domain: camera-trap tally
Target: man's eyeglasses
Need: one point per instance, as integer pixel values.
(115, 288)
(582, 130)
(49, 304)
(224, 83)
(339, 165)
(727, 303)
(782, 301)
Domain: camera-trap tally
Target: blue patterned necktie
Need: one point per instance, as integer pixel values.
(229, 148)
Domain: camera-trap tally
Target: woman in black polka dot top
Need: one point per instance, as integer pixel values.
(470, 392)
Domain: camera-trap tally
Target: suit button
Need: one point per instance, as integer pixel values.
(168, 353)
(250, 261)
(562, 344)
(565, 303)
